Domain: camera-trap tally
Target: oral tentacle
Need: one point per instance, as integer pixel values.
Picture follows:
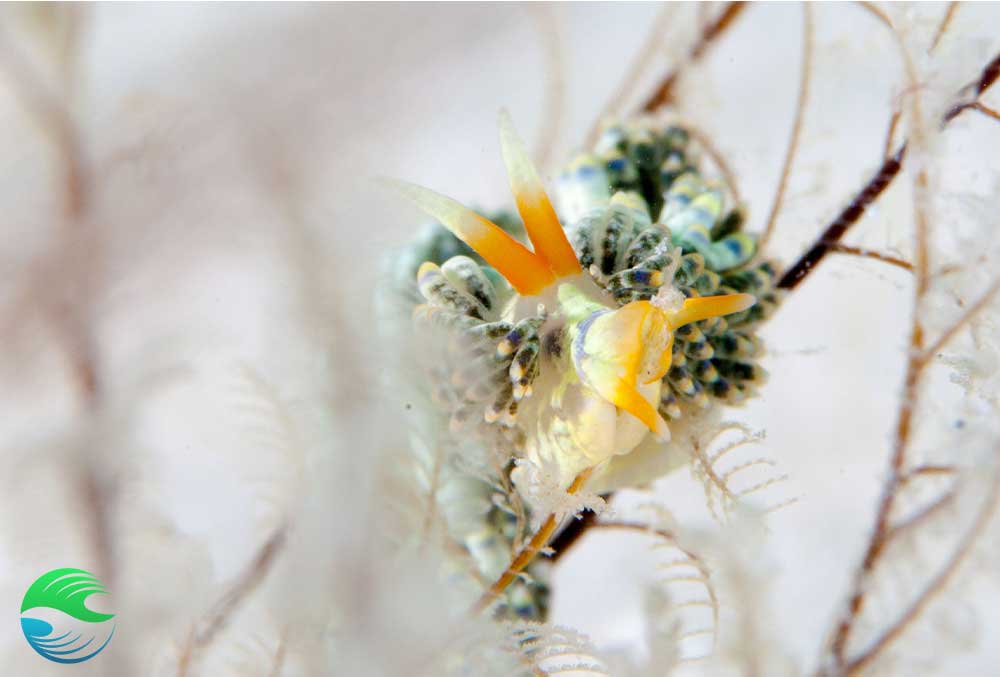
(705, 307)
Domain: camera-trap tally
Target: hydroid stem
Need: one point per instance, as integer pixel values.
(529, 551)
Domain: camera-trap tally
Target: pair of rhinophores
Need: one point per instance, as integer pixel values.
(580, 338)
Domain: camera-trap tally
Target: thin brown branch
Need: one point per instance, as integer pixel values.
(877, 12)
(623, 92)
(890, 133)
(943, 26)
(186, 654)
(279, 654)
(847, 218)
(806, 263)
(985, 110)
(879, 538)
(921, 263)
(925, 470)
(703, 17)
(49, 108)
(66, 305)
(969, 314)
(226, 607)
(936, 584)
(793, 140)
(988, 76)
(915, 368)
(97, 494)
(76, 343)
(665, 90)
(528, 552)
(921, 181)
(841, 248)
(910, 523)
(56, 122)
(705, 141)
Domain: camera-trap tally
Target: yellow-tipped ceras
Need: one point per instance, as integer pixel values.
(599, 373)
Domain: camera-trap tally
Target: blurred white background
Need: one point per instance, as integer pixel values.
(232, 234)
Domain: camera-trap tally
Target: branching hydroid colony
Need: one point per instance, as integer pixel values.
(599, 358)
(520, 441)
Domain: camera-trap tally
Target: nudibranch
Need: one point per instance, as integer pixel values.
(580, 344)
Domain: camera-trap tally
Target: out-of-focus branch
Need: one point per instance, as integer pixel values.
(554, 106)
(64, 278)
(793, 141)
(52, 112)
(664, 92)
(50, 109)
(920, 517)
(935, 586)
(186, 654)
(642, 58)
(221, 614)
(964, 320)
(98, 497)
(943, 26)
(705, 141)
(279, 654)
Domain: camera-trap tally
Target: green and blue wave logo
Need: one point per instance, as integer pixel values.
(59, 626)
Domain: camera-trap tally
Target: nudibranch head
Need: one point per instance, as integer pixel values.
(616, 351)
(573, 359)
